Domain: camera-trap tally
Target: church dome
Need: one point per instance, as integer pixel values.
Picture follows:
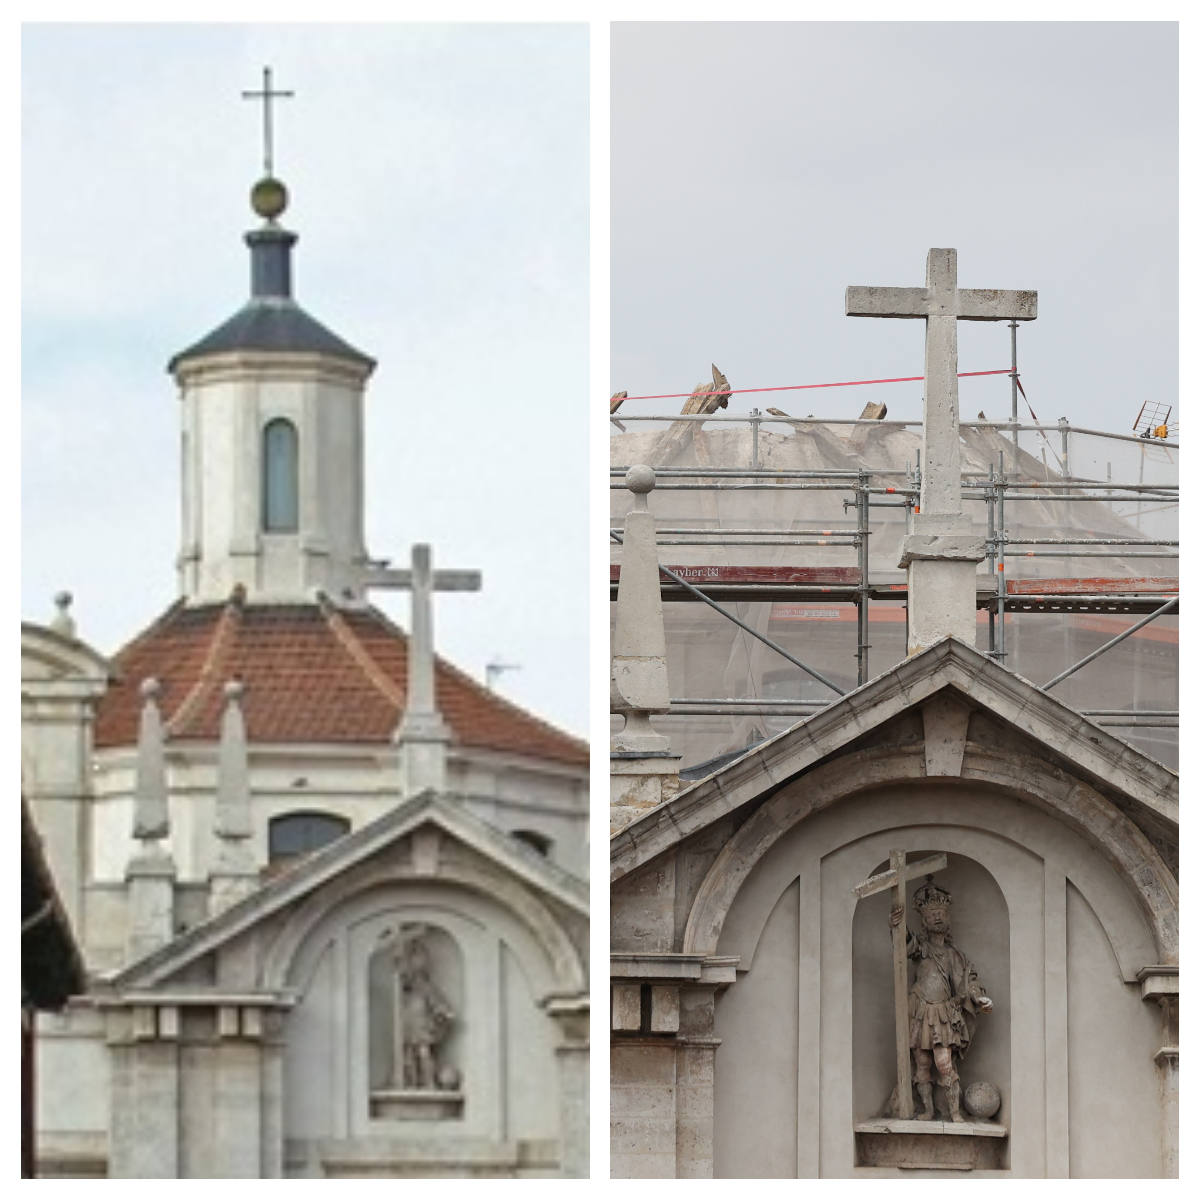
(312, 672)
(271, 320)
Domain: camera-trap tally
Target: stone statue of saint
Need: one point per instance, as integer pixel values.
(422, 1018)
(943, 1000)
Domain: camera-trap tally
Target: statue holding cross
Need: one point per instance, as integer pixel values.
(935, 1016)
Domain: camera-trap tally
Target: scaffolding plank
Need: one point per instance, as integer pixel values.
(826, 585)
(815, 576)
(1095, 585)
(720, 582)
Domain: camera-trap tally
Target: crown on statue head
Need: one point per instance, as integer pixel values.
(929, 893)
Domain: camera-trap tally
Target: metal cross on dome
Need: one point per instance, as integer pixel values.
(266, 96)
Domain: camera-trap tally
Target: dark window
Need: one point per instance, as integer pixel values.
(281, 481)
(294, 834)
(539, 843)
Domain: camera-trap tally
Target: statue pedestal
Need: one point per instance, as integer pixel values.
(931, 1145)
(415, 1104)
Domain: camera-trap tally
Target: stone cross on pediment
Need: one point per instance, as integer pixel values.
(898, 874)
(940, 553)
(942, 304)
(423, 733)
(422, 580)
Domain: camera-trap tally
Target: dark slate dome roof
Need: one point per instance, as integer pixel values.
(271, 320)
(270, 324)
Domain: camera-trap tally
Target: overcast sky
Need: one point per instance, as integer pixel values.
(759, 169)
(439, 184)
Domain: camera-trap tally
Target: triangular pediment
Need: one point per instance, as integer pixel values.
(50, 656)
(429, 813)
(947, 678)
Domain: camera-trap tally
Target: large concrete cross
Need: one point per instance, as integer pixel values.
(895, 877)
(423, 734)
(422, 580)
(942, 303)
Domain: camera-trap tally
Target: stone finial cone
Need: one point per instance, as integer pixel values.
(233, 774)
(150, 814)
(638, 679)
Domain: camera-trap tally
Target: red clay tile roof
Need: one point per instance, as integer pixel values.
(312, 673)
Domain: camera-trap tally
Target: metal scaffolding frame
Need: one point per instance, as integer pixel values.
(870, 489)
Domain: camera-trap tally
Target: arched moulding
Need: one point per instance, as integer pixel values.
(1036, 782)
(567, 971)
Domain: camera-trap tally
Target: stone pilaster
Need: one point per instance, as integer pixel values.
(662, 1062)
(143, 1140)
(1160, 985)
(237, 1104)
(643, 770)
(572, 1019)
(694, 1080)
(233, 1056)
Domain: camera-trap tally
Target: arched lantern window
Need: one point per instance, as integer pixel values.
(293, 835)
(281, 477)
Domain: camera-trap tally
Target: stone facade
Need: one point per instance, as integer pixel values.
(231, 815)
(245, 1046)
(752, 992)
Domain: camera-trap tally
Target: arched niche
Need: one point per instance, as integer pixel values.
(790, 1080)
(418, 1039)
(445, 973)
(494, 973)
(1041, 788)
(980, 930)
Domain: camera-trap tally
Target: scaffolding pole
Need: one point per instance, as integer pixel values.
(766, 641)
(871, 490)
(1083, 662)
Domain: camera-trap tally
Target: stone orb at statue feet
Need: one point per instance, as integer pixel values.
(449, 1078)
(982, 1100)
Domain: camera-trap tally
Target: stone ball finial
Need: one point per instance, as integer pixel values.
(268, 197)
(234, 689)
(150, 688)
(62, 621)
(640, 479)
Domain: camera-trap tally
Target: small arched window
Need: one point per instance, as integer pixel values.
(534, 841)
(293, 835)
(281, 477)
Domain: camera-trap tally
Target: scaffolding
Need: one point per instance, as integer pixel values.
(788, 529)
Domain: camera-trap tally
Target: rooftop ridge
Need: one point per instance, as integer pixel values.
(218, 648)
(331, 675)
(467, 680)
(358, 652)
